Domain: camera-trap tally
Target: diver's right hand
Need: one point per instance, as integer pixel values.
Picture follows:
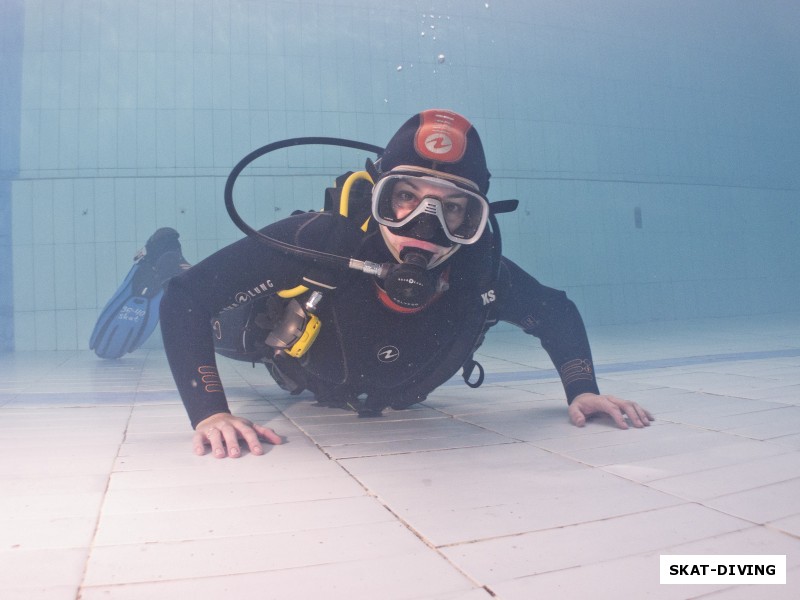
(222, 431)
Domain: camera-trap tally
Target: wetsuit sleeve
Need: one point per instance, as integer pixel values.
(236, 274)
(553, 318)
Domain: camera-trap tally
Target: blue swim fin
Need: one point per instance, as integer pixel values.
(131, 315)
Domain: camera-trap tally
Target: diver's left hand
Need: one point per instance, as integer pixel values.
(589, 404)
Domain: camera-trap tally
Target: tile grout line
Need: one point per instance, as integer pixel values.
(111, 472)
(688, 500)
(417, 533)
(386, 507)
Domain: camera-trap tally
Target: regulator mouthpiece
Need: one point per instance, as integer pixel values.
(409, 284)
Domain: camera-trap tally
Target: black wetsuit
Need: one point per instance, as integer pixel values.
(365, 347)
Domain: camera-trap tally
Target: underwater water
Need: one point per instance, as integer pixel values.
(653, 146)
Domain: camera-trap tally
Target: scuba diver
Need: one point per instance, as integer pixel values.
(436, 282)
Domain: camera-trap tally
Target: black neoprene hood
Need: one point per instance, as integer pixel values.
(441, 140)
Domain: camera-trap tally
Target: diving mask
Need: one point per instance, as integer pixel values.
(409, 195)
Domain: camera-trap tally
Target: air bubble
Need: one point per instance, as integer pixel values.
(440, 59)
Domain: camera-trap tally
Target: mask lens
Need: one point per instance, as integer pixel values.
(399, 199)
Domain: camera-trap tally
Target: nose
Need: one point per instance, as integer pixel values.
(425, 227)
(401, 212)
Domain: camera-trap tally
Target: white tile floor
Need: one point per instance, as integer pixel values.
(477, 494)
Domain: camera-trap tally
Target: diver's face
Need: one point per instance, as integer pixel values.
(406, 196)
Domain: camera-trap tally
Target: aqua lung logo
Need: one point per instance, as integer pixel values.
(388, 354)
(441, 136)
(438, 143)
(244, 297)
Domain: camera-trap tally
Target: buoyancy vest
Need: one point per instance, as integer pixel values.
(368, 356)
(397, 359)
